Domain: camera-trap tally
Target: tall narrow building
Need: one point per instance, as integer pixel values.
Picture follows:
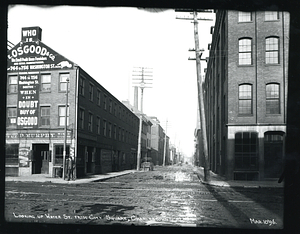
(245, 91)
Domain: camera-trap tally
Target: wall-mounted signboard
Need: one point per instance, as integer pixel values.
(35, 56)
(28, 101)
(24, 157)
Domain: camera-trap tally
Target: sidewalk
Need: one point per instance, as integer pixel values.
(220, 181)
(87, 179)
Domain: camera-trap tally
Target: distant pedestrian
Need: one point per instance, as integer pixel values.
(69, 168)
(73, 170)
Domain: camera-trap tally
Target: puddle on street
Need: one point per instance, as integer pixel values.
(107, 209)
(180, 176)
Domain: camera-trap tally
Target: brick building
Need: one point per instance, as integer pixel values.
(145, 133)
(245, 94)
(101, 133)
(157, 141)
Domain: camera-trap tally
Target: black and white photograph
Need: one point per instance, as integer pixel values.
(149, 117)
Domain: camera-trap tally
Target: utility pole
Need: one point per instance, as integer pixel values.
(141, 81)
(65, 131)
(200, 90)
(165, 145)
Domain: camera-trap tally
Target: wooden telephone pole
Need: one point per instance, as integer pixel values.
(200, 89)
(141, 81)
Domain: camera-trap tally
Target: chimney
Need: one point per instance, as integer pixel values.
(135, 101)
(30, 34)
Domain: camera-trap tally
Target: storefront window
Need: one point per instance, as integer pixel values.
(12, 154)
(246, 145)
(59, 149)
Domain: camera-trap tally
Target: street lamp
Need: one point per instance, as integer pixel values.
(65, 130)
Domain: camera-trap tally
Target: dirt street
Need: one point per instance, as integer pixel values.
(167, 196)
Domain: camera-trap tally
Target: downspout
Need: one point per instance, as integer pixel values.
(283, 67)
(76, 122)
(255, 67)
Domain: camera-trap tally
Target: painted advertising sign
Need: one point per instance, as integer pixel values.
(35, 56)
(31, 34)
(24, 154)
(38, 135)
(28, 101)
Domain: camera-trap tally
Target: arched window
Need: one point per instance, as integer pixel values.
(272, 98)
(245, 51)
(272, 50)
(245, 99)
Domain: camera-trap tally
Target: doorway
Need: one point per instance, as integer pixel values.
(40, 158)
(273, 154)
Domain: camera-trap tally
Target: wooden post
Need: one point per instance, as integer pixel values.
(200, 100)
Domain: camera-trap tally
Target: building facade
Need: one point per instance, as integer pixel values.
(245, 94)
(145, 133)
(157, 141)
(44, 91)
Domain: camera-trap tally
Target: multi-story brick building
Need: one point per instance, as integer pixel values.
(157, 141)
(145, 133)
(101, 133)
(246, 94)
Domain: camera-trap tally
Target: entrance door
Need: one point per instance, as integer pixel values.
(273, 154)
(89, 160)
(40, 158)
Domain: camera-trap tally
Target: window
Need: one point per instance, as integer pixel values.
(81, 86)
(119, 134)
(91, 92)
(59, 149)
(273, 137)
(109, 130)
(246, 145)
(11, 116)
(45, 116)
(12, 84)
(62, 114)
(115, 131)
(104, 128)
(271, 15)
(90, 123)
(98, 97)
(98, 125)
(45, 82)
(272, 50)
(245, 16)
(110, 106)
(104, 101)
(272, 99)
(63, 80)
(115, 109)
(245, 51)
(81, 118)
(12, 154)
(245, 99)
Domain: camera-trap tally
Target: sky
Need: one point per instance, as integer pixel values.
(110, 43)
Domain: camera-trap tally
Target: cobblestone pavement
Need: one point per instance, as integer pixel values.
(167, 196)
